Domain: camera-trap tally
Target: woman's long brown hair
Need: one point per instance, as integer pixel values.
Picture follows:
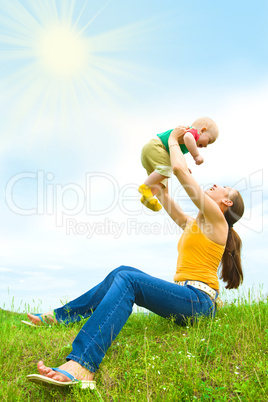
(231, 266)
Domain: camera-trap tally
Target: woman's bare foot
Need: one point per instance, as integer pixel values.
(75, 369)
(48, 318)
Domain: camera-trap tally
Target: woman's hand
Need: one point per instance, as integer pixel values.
(177, 135)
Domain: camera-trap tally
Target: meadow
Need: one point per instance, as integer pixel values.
(152, 359)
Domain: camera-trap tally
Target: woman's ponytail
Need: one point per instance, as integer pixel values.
(231, 261)
(231, 271)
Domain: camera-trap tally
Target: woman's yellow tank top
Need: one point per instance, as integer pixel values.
(199, 257)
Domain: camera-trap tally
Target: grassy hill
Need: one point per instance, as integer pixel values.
(152, 359)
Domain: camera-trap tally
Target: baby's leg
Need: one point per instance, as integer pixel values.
(155, 179)
(157, 188)
(153, 204)
(156, 161)
(151, 187)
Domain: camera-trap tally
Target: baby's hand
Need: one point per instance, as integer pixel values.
(199, 160)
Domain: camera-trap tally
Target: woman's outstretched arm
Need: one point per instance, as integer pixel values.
(173, 209)
(203, 202)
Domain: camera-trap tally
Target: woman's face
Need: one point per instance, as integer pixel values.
(219, 193)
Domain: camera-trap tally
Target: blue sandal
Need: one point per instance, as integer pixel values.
(43, 380)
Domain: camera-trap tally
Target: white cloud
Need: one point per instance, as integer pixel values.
(51, 267)
(28, 281)
(3, 269)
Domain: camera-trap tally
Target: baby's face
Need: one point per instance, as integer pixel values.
(204, 140)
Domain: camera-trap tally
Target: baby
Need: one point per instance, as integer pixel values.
(155, 157)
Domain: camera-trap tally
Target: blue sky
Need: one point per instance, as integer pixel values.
(83, 86)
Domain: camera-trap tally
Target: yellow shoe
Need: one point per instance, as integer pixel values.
(152, 204)
(145, 191)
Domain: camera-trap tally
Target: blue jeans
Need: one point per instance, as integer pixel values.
(109, 304)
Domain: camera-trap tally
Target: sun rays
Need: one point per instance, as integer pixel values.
(56, 66)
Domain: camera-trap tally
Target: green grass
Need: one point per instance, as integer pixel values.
(152, 359)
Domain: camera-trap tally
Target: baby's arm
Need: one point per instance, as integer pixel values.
(190, 143)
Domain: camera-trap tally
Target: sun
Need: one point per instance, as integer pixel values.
(62, 65)
(61, 51)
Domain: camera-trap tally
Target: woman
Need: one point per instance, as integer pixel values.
(206, 241)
